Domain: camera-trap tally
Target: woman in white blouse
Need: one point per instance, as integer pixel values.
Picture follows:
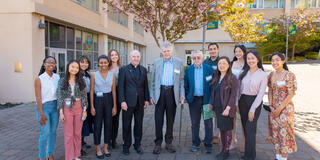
(47, 113)
(253, 86)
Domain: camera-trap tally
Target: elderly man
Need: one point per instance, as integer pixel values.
(213, 62)
(166, 91)
(198, 92)
(133, 95)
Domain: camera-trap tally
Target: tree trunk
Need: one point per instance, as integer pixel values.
(293, 50)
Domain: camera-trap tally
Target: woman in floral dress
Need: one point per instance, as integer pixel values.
(282, 86)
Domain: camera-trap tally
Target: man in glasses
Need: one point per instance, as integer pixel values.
(198, 92)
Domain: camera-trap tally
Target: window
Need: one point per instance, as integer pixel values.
(57, 36)
(138, 27)
(305, 3)
(78, 40)
(46, 35)
(121, 47)
(118, 17)
(70, 38)
(75, 42)
(267, 4)
(90, 4)
(270, 3)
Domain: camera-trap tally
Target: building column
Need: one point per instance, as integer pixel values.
(103, 44)
(130, 48)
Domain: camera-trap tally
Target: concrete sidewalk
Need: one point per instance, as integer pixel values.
(19, 132)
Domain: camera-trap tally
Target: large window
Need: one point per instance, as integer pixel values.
(267, 4)
(121, 47)
(305, 3)
(74, 42)
(138, 27)
(57, 35)
(117, 16)
(90, 4)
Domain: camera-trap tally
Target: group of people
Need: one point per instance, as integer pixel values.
(217, 88)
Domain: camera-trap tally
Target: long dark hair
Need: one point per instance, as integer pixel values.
(83, 57)
(79, 79)
(228, 75)
(246, 67)
(243, 49)
(109, 55)
(43, 69)
(282, 57)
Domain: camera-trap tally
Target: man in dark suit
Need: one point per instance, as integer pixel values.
(198, 92)
(134, 97)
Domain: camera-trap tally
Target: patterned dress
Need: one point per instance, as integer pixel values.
(281, 128)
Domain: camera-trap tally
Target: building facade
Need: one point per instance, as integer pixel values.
(65, 29)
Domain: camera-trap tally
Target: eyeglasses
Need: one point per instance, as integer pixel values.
(196, 58)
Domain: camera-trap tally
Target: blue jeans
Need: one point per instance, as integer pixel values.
(195, 109)
(48, 131)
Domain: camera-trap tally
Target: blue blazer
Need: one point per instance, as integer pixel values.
(189, 82)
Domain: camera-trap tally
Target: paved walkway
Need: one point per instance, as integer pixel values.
(19, 130)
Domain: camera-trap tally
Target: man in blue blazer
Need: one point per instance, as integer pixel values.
(198, 92)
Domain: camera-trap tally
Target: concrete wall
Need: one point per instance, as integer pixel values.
(16, 46)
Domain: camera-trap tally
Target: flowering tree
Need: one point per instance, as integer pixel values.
(169, 20)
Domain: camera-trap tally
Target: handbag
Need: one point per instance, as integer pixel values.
(267, 107)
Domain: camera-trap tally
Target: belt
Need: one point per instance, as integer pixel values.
(166, 87)
(198, 96)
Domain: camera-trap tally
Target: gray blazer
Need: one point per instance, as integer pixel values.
(157, 72)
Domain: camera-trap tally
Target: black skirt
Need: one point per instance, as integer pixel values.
(224, 123)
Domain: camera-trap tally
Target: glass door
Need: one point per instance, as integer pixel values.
(60, 55)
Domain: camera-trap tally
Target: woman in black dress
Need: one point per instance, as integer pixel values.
(224, 97)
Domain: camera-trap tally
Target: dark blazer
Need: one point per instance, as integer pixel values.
(229, 96)
(131, 90)
(189, 83)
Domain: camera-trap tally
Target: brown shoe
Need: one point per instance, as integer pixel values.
(170, 148)
(156, 149)
(215, 140)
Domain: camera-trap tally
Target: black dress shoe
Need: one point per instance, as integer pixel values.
(138, 149)
(156, 149)
(125, 151)
(170, 148)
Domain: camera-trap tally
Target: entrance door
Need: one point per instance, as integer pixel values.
(61, 57)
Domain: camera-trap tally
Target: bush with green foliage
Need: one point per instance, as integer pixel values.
(312, 55)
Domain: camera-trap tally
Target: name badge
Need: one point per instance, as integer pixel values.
(281, 83)
(214, 67)
(208, 78)
(99, 94)
(68, 103)
(177, 71)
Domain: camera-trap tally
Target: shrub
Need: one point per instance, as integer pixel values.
(312, 55)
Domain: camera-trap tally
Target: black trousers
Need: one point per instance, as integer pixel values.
(103, 106)
(166, 103)
(115, 123)
(87, 127)
(138, 112)
(250, 127)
